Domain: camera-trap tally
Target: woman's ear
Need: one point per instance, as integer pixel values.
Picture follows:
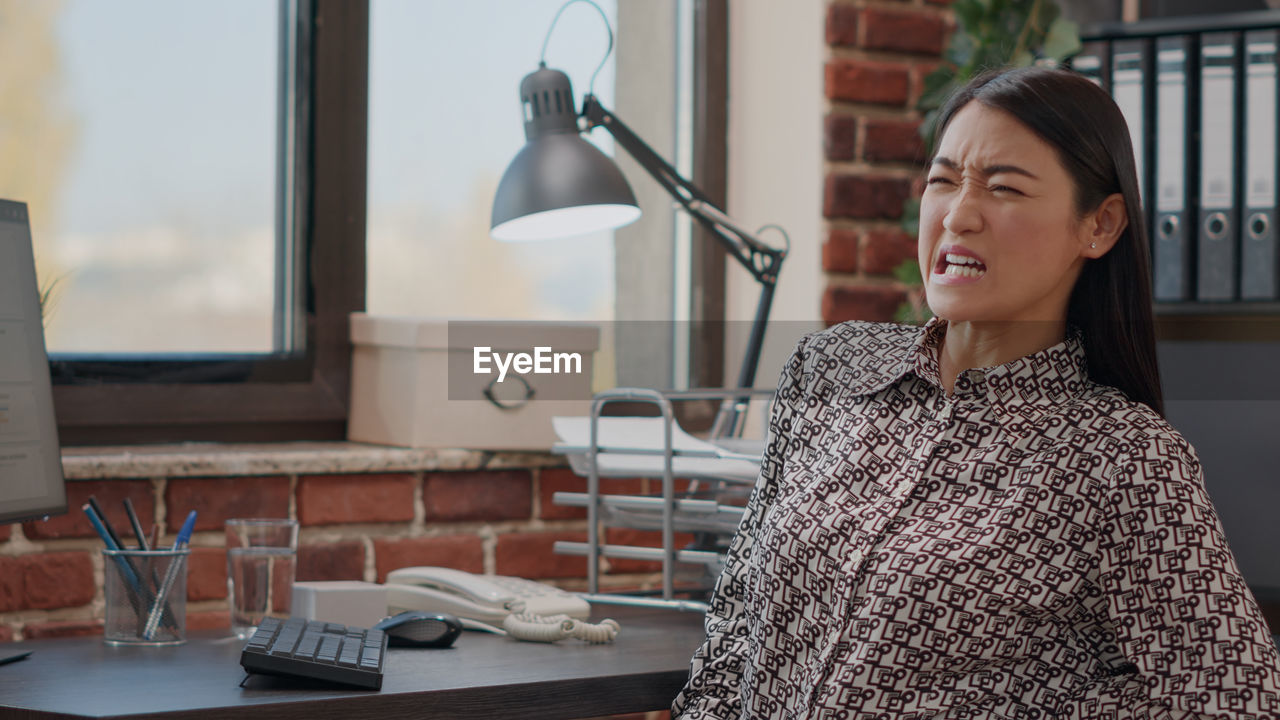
(1104, 226)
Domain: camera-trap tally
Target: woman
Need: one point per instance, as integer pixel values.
(989, 517)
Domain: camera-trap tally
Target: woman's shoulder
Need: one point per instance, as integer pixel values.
(1134, 429)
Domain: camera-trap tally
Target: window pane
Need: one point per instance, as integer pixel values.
(444, 122)
(147, 131)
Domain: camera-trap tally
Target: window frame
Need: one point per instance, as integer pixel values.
(269, 397)
(711, 175)
(305, 396)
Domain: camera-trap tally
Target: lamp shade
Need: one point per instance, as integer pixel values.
(559, 184)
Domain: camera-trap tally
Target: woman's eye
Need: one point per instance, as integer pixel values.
(1004, 188)
(937, 181)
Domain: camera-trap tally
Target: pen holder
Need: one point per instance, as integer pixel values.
(146, 596)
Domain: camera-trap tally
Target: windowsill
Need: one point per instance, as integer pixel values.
(301, 458)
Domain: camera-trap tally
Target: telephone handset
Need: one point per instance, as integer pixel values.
(481, 602)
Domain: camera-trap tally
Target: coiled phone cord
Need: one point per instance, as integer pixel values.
(550, 628)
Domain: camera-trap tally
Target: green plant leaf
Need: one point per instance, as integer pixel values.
(908, 273)
(904, 314)
(1022, 59)
(959, 50)
(929, 130)
(1049, 14)
(48, 296)
(1006, 18)
(933, 97)
(910, 222)
(969, 14)
(940, 77)
(908, 313)
(997, 54)
(1062, 40)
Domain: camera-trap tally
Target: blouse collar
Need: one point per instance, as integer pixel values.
(1023, 388)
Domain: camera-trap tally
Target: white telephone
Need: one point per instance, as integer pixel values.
(481, 602)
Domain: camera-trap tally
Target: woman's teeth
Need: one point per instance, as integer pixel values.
(963, 266)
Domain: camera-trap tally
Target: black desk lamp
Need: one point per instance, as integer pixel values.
(560, 185)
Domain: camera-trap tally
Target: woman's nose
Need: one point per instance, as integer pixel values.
(963, 215)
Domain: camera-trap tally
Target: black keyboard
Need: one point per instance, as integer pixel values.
(317, 650)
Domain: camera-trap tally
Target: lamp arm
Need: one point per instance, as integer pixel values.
(759, 258)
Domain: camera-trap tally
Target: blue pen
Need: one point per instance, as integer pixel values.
(162, 597)
(125, 568)
(138, 596)
(184, 535)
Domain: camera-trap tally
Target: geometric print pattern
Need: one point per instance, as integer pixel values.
(1034, 546)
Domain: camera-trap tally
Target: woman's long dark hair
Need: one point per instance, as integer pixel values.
(1111, 302)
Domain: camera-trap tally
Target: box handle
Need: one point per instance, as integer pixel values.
(529, 392)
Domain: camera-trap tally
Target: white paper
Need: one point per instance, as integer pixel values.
(628, 434)
(650, 466)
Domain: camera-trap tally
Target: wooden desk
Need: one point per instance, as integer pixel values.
(482, 676)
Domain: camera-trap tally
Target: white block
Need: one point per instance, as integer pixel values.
(347, 602)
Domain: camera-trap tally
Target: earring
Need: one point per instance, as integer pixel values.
(1093, 245)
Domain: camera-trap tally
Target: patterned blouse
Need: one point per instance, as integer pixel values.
(1034, 546)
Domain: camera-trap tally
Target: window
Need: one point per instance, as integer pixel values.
(445, 121)
(193, 202)
(157, 208)
(201, 271)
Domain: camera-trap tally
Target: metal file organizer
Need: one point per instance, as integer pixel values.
(722, 471)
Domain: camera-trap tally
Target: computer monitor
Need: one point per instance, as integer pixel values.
(31, 480)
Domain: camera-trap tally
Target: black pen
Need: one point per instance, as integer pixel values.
(142, 543)
(93, 502)
(133, 574)
(15, 658)
(137, 526)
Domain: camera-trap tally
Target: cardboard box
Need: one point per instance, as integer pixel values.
(414, 381)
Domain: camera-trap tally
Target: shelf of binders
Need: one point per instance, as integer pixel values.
(1200, 96)
(720, 472)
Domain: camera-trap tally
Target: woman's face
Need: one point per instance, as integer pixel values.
(1000, 239)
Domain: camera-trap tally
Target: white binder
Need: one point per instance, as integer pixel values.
(1216, 247)
(1258, 256)
(1127, 78)
(1173, 238)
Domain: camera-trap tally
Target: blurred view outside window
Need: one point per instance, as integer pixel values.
(142, 135)
(444, 122)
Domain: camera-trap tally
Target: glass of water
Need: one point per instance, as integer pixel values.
(261, 554)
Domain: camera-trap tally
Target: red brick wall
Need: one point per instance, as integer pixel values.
(879, 54)
(352, 527)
